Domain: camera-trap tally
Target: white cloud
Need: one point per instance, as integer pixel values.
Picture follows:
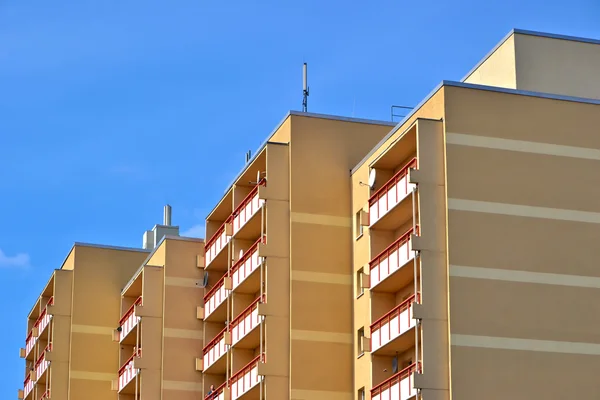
(20, 260)
(195, 231)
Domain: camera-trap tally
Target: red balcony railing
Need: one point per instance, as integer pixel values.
(42, 364)
(41, 323)
(247, 208)
(393, 324)
(246, 378)
(392, 258)
(246, 264)
(396, 386)
(27, 385)
(215, 296)
(46, 395)
(127, 370)
(217, 241)
(216, 393)
(246, 320)
(130, 311)
(214, 349)
(394, 190)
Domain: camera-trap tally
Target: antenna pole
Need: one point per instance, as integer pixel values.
(305, 90)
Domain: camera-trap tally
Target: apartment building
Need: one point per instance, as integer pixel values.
(69, 352)
(278, 305)
(159, 330)
(475, 222)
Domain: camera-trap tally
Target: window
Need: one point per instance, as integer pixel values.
(358, 228)
(360, 274)
(361, 393)
(361, 341)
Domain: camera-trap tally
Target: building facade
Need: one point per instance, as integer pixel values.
(441, 257)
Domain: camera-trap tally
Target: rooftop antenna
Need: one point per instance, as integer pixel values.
(305, 90)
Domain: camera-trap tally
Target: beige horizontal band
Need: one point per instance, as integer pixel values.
(92, 330)
(319, 219)
(298, 394)
(321, 277)
(544, 278)
(522, 146)
(183, 386)
(181, 282)
(319, 336)
(548, 346)
(518, 210)
(183, 333)
(92, 376)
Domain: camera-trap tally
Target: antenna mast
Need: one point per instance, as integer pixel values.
(305, 91)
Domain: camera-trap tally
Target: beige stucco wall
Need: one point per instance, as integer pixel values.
(322, 154)
(523, 224)
(99, 274)
(564, 67)
(499, 69)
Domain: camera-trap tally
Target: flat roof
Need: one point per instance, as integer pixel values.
(476, 87)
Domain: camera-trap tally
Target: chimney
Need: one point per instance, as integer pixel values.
(153, 237)
(167, 216)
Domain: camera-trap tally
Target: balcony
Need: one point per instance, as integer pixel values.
(386, 199)
(39, 328)
(217, 243)
(128, 371)
(27, 387)
(393, 325)
(41, 365)
(214, 299)
(246, 381)
(218, 394)
(241, 273)
(388, 272)
(243, 213)
(242, 327)
(46, 395)
(129, 320)
(399, 387)
(212, 353)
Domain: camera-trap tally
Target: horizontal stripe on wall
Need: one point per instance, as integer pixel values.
(92, 330)
(548, 346)
(181, 282)
(321, 277)
(320, 336)
(92, 376)
(183, 333)
(319, 219)
(524, 276)
(298, 394)
(522, 146)
(519, 210)
(183, 386)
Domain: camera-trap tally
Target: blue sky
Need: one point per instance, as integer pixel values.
(108, 110)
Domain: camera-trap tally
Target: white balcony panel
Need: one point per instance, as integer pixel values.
(128, 325)
(214, 352)
(247, 211)
(215, 299)
(28, 387)
(127, 373)
(389, 198)
(392, 326)
(215, 247)
(246, 267)
(389, 263)
(245, 325)
(244, 382)
(396, 388)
